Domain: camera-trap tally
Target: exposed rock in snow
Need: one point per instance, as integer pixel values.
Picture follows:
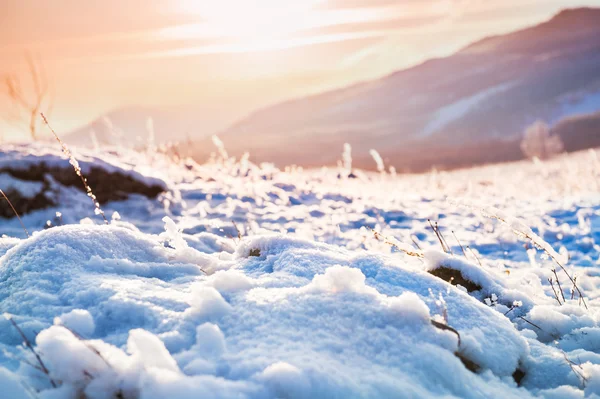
(33, 176)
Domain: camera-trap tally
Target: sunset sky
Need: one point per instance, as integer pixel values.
(225, 58)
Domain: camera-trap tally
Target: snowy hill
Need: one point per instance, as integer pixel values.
(469, 108)
(128, 127)
(247, 281)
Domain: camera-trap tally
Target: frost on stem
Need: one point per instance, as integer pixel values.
(77, 168)
(378, 161)
(347, 159)
(15, 212)
(151, 147)
(94, 138)
(525, 232)
(400, 246)
(220, 147)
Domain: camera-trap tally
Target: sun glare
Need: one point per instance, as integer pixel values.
(248, 21)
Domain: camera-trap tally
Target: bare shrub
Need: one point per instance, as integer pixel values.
(539, 143)
(29, 99)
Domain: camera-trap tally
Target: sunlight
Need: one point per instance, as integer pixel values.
(246, 22)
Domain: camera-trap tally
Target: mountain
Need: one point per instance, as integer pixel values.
(128, 127)
(579, 131)
(468, 108)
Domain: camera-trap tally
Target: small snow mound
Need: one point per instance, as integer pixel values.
(67, 357)
(78, 320)
(210, 341)
(592, 374)
(555, 322)
(12, 387)
(116, 274)
(410, 308)
(148, 350)
(206, 303)
(229, 281)
(286, 381)
(340, 279)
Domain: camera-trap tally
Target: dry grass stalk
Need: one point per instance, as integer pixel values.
(475, 256)
(523, 231)
(577, 369)
(437, 228)
(554, 290)
(16, 213)
(30, 347)
(407, 249)
(458, 241)
(77, 168)
(437, 234)
(530, 323)
(559, 287)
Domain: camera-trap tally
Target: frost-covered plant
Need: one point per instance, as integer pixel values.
(524, 231)
(400, 246)
(97, 209)
(539, 143)
(27, 343)
(151, 144)
(347, 159)
(94, 139)
(244, 164)
(491, 300)
(114, 132)
(220, 148)
(15, 211)
(378, 161)
(392, 171)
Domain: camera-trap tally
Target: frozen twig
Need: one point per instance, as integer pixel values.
(437, 234)
(407, 249)
(520, 229)
(554, 290)
(16, 213)
(97, 209)
(30, 347)
(461, 247)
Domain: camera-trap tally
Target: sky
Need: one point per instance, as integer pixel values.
(222, 59)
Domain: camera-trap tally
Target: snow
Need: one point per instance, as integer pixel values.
(27, 189)
(581, 103)
(171, 299)
(460, 108)
(12, 386)
(77, 320)
(25, 156)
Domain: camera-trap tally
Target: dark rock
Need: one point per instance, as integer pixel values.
(254, 252)
(518, 376)
(455, 277)
(106, 186)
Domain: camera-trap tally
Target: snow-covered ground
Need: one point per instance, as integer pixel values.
(245, 281)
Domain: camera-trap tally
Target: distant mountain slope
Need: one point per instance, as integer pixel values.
(579, 132)
(467, 108)
(128, 127)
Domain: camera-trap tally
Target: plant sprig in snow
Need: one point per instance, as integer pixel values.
(77, 168)
(400, 246)
(524, 231)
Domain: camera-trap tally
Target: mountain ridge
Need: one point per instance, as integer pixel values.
(472, 98)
